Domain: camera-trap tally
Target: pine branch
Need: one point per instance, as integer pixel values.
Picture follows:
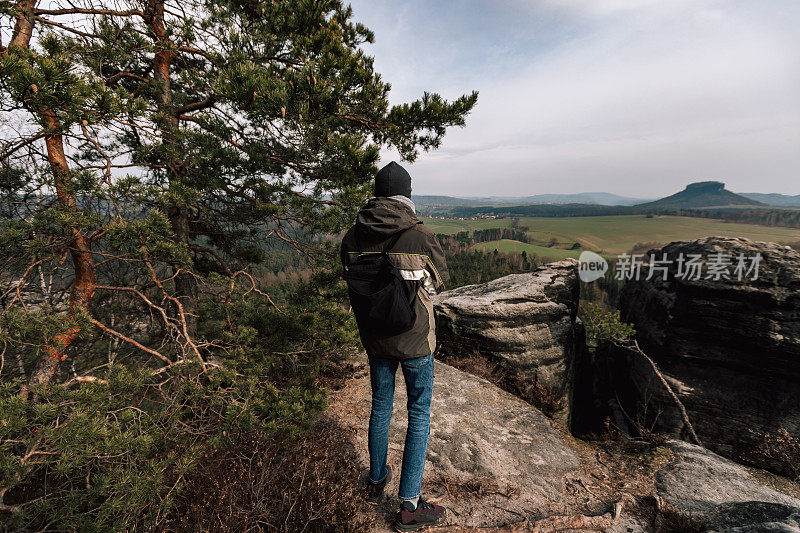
(89, 11)
(195, 106)
(63, 27)
(120, 75)
(212, 252)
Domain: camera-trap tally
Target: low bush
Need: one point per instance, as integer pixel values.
(283, 485)
(779, 449)
(119, 450)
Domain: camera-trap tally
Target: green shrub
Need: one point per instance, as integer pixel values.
(602, 325)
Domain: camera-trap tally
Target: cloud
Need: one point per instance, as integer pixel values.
(637, 97)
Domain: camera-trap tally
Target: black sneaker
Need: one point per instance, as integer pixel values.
(426, 514)
(373, 492)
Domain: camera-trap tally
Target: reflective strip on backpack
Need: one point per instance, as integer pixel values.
(412, 275)
(419, 275)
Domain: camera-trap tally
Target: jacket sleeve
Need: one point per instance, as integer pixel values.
(343, 249)
(437, 256)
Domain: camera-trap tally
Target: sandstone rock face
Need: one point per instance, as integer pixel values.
(479, 430)
(524, 322)
(729, 348)
(479, 434)
(721, 495)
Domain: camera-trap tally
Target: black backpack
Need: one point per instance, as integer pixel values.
(382, 301)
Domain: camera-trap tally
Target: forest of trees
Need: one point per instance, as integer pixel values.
(537, 210)
(467, 265)
(153, 154)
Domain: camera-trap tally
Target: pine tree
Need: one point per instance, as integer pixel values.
(197, 131)
(153, 153)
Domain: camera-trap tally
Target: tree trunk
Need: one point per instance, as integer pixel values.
(80, 248)
(23, 26)
(185, 283)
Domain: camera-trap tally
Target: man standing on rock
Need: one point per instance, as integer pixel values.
(393, 265)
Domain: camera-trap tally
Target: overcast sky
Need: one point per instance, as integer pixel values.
(634, 97)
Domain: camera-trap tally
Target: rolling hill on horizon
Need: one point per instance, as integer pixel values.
(695, 195)
(598, 198)
(774, 199)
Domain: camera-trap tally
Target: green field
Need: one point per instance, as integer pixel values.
(507, 245)
(611, 234)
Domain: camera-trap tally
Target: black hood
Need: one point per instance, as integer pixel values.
(383, 216)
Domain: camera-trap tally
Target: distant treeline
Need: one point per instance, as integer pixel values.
(491, 234)
(789, 218)
(541, 210)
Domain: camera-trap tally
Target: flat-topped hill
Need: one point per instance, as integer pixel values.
(703, 194)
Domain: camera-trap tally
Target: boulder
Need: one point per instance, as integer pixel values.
(712, 493)
(729, 348)
(483, 442)
(754, 517)
(523, 322)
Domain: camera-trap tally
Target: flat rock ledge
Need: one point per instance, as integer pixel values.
(482, 440)
(705, 491)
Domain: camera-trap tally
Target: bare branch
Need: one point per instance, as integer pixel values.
(129, 340)
(678, 403)
(253, 288)
(63, 27)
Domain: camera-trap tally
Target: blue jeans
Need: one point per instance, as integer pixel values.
(418, 374)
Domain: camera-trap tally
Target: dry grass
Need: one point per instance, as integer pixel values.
(644, 247)
(781, 450)
(308, 484)
(472, 488)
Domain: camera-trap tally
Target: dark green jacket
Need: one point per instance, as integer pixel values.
(417, 255)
